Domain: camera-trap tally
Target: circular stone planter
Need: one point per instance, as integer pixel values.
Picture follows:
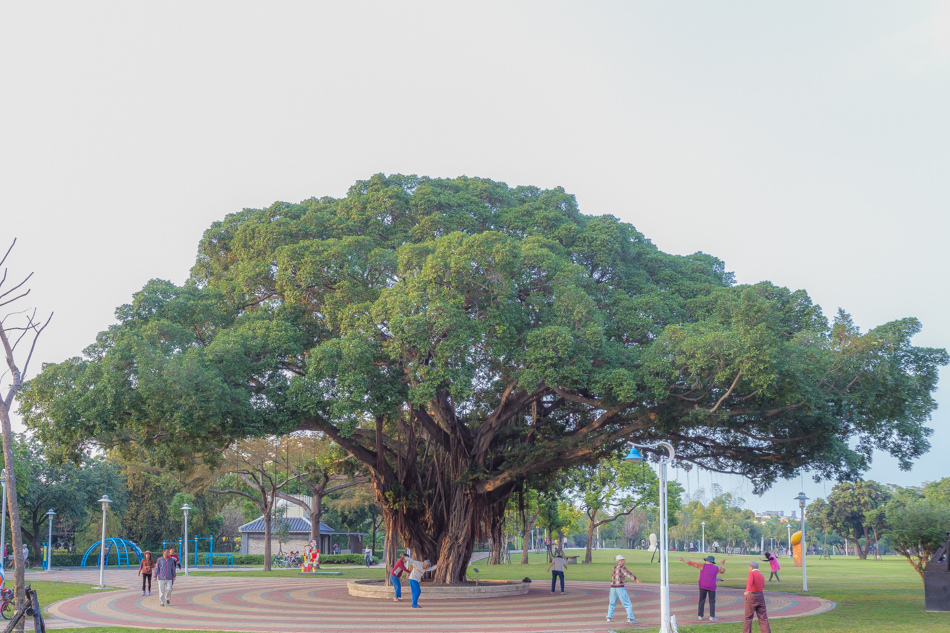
(467, 591)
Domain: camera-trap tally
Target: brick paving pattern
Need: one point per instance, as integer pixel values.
(307, 604)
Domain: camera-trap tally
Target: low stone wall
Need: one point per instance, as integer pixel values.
(468, 591)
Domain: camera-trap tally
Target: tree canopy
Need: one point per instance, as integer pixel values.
(457, 336)
(918, 521)
(854, 510)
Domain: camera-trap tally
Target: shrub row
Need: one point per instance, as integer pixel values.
(74, 560)
(325, 559)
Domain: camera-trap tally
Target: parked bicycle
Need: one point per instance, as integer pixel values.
(29, 608)
(7, 603)
(290, 559)
(8, 563)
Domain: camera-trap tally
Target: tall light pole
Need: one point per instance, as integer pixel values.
(185, 508)
(704, 537)
(49, 541)
(801, 504)
(634, 456)
(105, 501)
(789, 541)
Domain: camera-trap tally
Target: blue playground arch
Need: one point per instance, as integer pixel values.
(120, 546)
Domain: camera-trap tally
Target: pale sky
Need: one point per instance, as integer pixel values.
(804, 143)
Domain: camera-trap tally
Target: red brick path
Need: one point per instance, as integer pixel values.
(304, 605)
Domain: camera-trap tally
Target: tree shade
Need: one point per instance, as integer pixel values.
(458, 336)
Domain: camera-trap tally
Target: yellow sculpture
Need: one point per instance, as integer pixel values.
(797, 548)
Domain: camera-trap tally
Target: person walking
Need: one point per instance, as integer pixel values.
(416, 571)
(755, 600)
(708, 574)
(557, 571)
(165, 575)
(618, 591)
(145, 571)
(396, 574)
(773, 566)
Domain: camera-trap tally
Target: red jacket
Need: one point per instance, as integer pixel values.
(399, 567)
(756, 582)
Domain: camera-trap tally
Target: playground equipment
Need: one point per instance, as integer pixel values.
(797, 548)
(120, 546)
(208, 558)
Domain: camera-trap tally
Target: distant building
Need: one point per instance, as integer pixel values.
(252, 534)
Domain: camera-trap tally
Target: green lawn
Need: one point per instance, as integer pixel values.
(870, 595)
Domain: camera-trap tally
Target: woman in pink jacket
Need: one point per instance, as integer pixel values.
(773, 566)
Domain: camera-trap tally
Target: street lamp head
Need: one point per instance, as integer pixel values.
(633, 456)
(105, 501)
(185, 508)
(51, 513)
(704, 524)
(801, 498)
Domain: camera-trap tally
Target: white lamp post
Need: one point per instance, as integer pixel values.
(185, 508)
(3, 519)
(49, 541)
(704, 537)
(105, 501)
(801, 504)
(634, 456)
(789, 526)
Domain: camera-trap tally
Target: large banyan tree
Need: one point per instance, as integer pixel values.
(458, 336)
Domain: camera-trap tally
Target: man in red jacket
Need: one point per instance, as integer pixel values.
(755, 600)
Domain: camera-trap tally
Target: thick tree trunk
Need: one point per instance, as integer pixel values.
(14, 511)
(858, 551)
(316, 514)
(588, 559)
(496, 539)
(458, 541)
(437, 517)
(391, 551)
(267, 537)
(527, 545)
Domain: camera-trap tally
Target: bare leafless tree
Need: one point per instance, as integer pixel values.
(253, 462)
(18, 329)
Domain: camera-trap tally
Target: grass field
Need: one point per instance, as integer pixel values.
(885, 596)
(871, 595)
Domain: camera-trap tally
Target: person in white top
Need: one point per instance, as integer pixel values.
(416, 571)
(557, 571)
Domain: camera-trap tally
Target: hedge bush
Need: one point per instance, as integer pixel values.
(325, 559)
(256, 560)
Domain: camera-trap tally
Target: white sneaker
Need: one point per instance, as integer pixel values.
(608, 619)
(713, 619)
(631, 620)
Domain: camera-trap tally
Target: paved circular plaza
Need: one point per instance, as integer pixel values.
(322, 604)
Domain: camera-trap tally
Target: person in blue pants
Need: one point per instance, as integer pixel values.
(557, 571)
(416, 570)
(618, 591)
(396, 574)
